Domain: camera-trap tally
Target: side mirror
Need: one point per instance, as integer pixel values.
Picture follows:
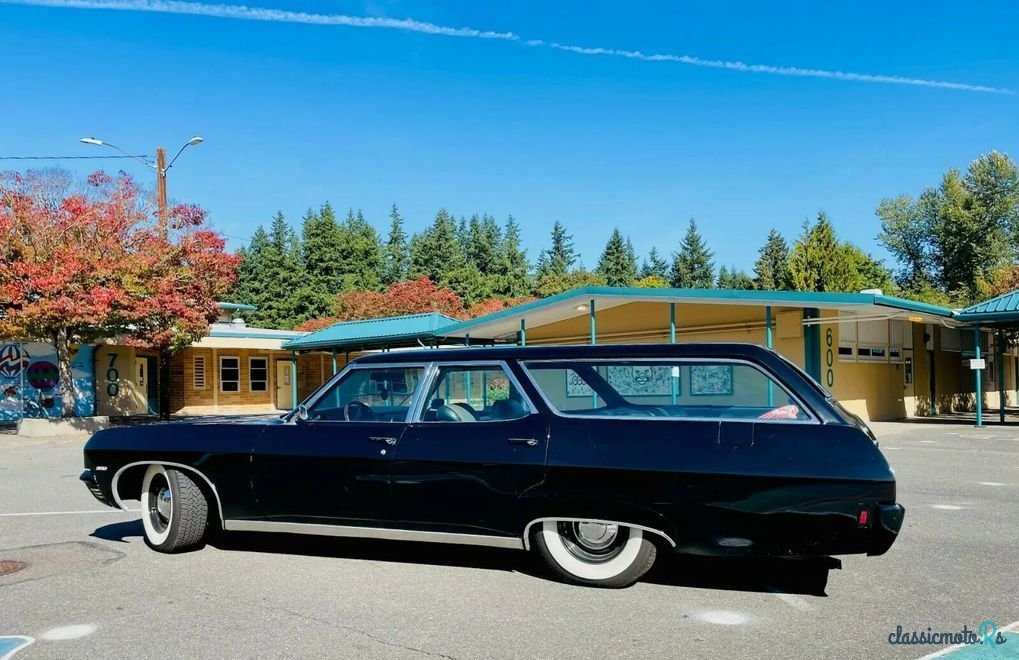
(302, 412)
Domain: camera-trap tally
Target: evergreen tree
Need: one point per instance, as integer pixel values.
(436, 250)
(692, 266)
(320, 253)
(655, 266)
(734, 278)
(560, 257)
(771, 270)
(512, 275)
(483, 237)
(271, 273)
(395, 255)
(617, 264)
(360, 254)
(819, 262)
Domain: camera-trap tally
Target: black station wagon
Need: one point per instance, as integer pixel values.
(596, 457)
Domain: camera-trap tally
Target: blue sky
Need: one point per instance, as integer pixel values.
(294, 114)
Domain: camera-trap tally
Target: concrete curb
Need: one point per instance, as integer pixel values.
(80, 427)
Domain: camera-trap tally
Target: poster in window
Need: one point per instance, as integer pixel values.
(711, 380)
(629, 380)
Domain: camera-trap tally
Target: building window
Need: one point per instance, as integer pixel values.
(258, 374)
(198, 381)
(229, 374)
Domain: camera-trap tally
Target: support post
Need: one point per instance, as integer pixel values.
(594, 324)
(293, 380)
(523, 332)
(976, 375)
(334, 361)
(999, 363)
(672, 340)
(769, 341)
(467, 340)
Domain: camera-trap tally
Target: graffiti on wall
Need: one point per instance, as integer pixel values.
(30, 381)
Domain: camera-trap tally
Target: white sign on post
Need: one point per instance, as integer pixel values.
(979, 363)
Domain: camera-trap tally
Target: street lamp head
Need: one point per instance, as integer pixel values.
(92, 140)
(198, 139)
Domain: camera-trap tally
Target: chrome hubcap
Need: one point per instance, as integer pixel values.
(592, 542)
(594, 535)
(164, 502)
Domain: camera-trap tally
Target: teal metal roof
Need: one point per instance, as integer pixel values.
(1002, 310)
(374, 333)
(236, 307)
(708, 296)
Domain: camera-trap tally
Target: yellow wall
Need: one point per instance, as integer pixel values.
(117, 390)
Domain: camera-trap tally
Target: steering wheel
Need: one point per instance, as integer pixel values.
(356, 411)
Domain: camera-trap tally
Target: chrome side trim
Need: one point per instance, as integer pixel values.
(527, 530)
(179, 466)
(386, 533)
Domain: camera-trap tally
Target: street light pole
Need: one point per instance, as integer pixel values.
(160, 167)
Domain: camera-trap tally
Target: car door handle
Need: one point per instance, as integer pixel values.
(530, 442)
(379, 438)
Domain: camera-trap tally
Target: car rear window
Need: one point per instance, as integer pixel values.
(703, 389)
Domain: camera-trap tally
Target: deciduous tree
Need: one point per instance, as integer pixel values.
(86, 263)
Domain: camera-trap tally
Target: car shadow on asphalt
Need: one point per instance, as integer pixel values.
(793, 576)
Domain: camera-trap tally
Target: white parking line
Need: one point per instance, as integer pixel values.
(65, 513)
(945, 651)
(990, 483)
(946, 507)
(792, 600)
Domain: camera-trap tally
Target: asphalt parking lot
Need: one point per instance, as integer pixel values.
(87, 586)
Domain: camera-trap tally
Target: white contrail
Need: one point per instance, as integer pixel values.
(240, 12)
(780, 70)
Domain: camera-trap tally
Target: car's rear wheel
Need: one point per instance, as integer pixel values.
(175, 512)
(596, 554)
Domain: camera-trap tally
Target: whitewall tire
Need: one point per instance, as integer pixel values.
(175, 512)
(595, 553)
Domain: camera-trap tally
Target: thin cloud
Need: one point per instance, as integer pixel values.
(240, 12)
(780, 70)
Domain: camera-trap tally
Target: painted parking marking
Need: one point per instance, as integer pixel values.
(990, 483)
(65, 513)
(1010, 649)
(11, 644)
(947, 507)
(926, 442)
(792, 600)
(64, 633)
(722, 617)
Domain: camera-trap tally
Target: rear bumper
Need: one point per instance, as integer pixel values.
(88, 478)
(887, 524)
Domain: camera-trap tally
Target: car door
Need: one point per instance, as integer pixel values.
(331, 465)
(476, 446)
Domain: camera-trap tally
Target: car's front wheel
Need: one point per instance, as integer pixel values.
(175, 512)
(596, 554)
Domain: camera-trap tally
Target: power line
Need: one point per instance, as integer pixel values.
(143, 156)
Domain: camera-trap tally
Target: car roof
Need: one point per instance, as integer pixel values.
(575, 352)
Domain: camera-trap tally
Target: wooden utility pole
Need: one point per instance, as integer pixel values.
(161, 189)
(164, 230)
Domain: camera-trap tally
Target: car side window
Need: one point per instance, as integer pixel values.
(381, 394)
(474, 393)
(702, 389)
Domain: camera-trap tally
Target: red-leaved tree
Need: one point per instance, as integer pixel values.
(408, 297)
(490, 305)
(90, 262)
